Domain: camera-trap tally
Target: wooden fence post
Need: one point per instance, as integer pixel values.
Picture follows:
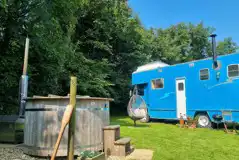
(71, 132)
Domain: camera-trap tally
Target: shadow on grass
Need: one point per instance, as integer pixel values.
(214, 126)
(119, 121)
(126, 121)
(165, 121)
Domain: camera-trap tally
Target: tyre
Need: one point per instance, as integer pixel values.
(145, 119)
(203, 121)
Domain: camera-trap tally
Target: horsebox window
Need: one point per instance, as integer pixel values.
(140, 88)
(157, 83)
(180, 86)
(233, 70)
(204, 74)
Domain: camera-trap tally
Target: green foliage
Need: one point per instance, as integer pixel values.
(227, 46)
(182, 43)
(100, 42)
(89, 154)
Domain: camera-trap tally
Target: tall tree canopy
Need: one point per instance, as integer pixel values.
(100, 42)
(182, 42)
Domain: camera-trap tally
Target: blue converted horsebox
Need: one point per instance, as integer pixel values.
(195, 89)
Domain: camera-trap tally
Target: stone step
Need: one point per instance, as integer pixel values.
(137, 154)
(122, 147)
(112, 131)
(122, 141)
(111, 134)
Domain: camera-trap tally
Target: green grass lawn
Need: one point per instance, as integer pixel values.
(169, 142)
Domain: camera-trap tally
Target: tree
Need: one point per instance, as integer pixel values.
(182, 42)
(107, 30)
(48, 47)
(97, 41)
(226, 46)
(12, 31)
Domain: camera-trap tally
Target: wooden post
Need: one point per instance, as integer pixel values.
(70, 149)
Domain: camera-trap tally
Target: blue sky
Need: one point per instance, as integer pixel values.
(220, 14)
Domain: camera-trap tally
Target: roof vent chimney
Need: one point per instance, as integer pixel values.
(213, 36)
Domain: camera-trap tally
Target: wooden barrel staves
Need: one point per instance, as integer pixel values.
(43, 121)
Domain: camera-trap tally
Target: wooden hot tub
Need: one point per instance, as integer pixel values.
(43, 117)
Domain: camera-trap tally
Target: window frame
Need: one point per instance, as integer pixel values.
(228, 70)
(152, 86)
(200, 74)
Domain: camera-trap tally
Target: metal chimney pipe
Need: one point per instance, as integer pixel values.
(24, 81)
(213, 36)
(26, 57)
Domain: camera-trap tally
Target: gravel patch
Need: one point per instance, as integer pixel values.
(15, 152)
(9, 153)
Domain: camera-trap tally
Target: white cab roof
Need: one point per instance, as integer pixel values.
(151, 66)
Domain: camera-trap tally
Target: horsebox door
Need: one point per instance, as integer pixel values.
(181, 98)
